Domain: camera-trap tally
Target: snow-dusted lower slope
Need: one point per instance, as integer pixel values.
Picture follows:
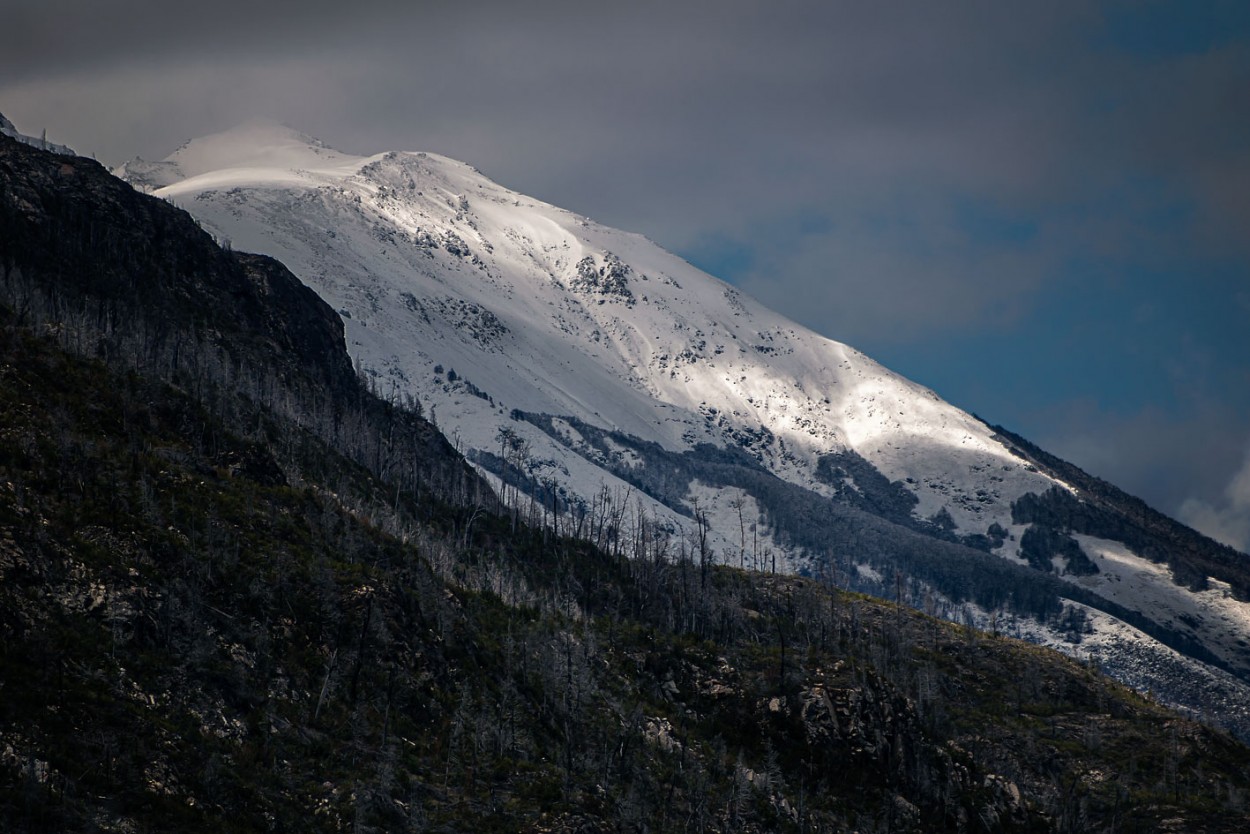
(605, 371)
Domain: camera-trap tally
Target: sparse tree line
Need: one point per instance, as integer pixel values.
(937, 574)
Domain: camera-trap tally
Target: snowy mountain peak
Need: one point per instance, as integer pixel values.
(586, 321)
(257, 144)
(257, 151)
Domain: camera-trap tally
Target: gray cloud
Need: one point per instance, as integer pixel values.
(66, 37)
(884, 273)
(745, 107)
(1227, 519)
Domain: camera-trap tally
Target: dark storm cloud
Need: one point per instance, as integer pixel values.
(896, 175)
(65, 36)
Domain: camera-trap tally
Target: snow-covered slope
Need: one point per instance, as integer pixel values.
(494, 308)
(545, 311)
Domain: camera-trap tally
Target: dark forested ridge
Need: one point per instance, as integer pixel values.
(239, 592)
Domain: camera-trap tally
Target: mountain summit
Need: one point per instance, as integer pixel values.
(614, 391)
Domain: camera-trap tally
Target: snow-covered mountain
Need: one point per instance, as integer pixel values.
(616, 391)
(434, 265)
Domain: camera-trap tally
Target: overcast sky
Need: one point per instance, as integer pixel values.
(1040, 210)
